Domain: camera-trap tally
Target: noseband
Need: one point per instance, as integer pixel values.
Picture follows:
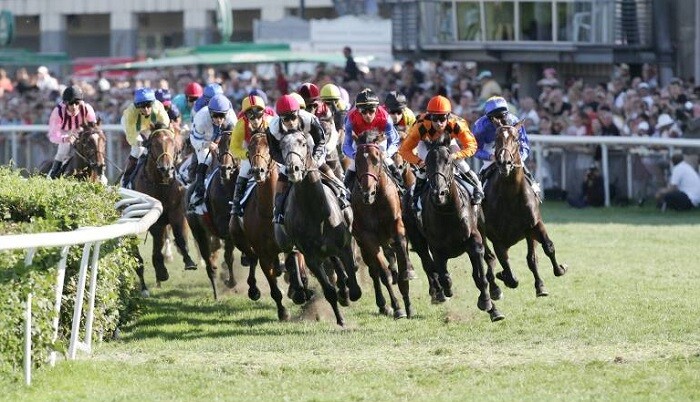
(368, 173)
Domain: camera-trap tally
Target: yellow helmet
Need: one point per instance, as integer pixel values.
(330, 92)
(252, 101)
(300, 99)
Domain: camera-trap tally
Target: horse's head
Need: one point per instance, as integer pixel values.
(507, 148)
(296, 154)
(227, 162)
(439, 171)
(368, 164)
(161, 153)
(261, 162)
(91, 147)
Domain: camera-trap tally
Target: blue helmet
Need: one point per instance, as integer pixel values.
(143, 95)
(260, 93)
(495, 104)
(212, 89)
(173, 112)
(219, 103)
(163, 95)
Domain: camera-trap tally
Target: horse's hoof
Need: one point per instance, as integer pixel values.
(190, 265)
(409, 275)
(254, 294)
(509, 280)
(448, 292)
(410, 312)
(484, 304)
(384, 310)
(145, 293)
(343, 301)
(157, 284)
(496, 293)
(355, 294)
(230, 283)
(439, 298)
(542, 292)
(162, 276)
(283, 315)
(496, 315)
(561, 271)
(298, 298)
(245, 261)
(399, 314)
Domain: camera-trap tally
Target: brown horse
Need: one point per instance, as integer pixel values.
(157, 178)
(211, 228)
(89, 153)
(316, 225)
(449, 228)
(255, 232)
(378, 225)
(512, 213)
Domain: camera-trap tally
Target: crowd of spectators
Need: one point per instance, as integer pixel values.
(621, 105)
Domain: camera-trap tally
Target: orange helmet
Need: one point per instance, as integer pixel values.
(439, 105)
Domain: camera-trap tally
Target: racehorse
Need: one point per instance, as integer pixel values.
(157, 179)
(511, 212)
(316, 225)
(255, 232)
(89, 153)
(449, 228)
(210, 228)
(377, 223)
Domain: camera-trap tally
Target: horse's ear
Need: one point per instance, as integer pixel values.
(519, 124)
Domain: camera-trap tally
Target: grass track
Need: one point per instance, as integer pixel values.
(622, 324)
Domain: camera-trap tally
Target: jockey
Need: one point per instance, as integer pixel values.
(439, 120)
(402, 117)
(253, 120)
(66, 122)
(207, 125)
(368, 116)
(291, 117)
(138, 120)
(185, 102)
(325, 117)
(496, 112)
(331, 96)
(209, 91)
(311, 94)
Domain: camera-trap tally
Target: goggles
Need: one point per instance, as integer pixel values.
(368, 110)
(439, 118)
(192, 99)
(254, 113)
(74, 102)
(288, 117)
(217, 115)
(143, 105)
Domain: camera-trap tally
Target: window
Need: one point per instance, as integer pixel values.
(535, 21)
(468, 21)
(500, 16)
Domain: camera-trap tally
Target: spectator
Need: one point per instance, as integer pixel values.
(666, 127)
(489, 86)
(5, 83)
(683, 190)
(529, 114)
(352, 73)
(281, 82)
(45, 82)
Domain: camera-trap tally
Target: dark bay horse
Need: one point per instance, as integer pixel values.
(157, 179)
(511, 213)
(210, 229)
(255, 233)
(449, 228)
(316, 225)
(89, 155)
(378, 225)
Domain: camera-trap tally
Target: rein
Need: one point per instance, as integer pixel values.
(368, 173)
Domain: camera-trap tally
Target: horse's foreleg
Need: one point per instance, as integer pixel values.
(420, 246)
(400, 246)
(490, 259)
(167, 248)
(178, 226)
(157, 232)
(442, 276)
(228, 259)
(548, 246)
(507, 275)
(329, 291)
(390, 256)
(298, 281)
(475, 249)
(253, 291)
(140, 271)
(268, 268)
(370, 255)
(540, 289)
(347, 260)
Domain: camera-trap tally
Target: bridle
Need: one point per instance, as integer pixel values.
(368, 173)
(505, 149)
(267, 159)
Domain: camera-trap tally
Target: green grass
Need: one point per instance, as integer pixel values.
(622, 324)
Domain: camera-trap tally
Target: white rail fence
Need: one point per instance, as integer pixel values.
(139, 213)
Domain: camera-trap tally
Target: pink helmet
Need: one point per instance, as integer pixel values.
(286, 104)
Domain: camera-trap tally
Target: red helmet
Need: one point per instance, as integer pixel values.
(194, 89)
(309, 92)
(286, 104)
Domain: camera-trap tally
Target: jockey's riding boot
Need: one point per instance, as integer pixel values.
(278, 216)
(198, 193)
(532, 182)
(417, 191)
(241, 184)
(473, 179)
(349, 179)
(128, 171)
(55, 170)
(396, 174)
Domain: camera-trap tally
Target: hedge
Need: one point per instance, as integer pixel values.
(34, 205)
